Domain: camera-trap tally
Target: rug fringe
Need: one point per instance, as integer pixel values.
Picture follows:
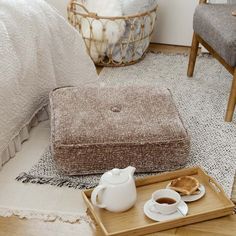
(45, 215)
(59, 182)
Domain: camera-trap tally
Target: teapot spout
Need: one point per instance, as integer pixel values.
(130, 170)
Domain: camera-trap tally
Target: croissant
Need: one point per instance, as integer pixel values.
(186, 185)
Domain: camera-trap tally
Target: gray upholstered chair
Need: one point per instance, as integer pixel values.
(215, 28)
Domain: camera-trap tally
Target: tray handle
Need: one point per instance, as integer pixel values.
(215, 186)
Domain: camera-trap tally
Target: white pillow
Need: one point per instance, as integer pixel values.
(39, 51)
(131, 7)
(114, 29)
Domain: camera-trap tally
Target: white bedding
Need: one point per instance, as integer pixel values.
(39, 51)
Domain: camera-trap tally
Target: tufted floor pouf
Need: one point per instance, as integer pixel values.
(97, 129)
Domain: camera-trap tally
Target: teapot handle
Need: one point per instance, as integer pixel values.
(95, 194)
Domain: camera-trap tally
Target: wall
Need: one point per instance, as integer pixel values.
(174, 22)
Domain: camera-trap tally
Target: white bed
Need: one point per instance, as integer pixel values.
(39, 51)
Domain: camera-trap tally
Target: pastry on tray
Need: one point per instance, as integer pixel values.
(186, 185)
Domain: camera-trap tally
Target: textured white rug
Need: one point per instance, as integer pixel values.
(201, 102)
(44, 202)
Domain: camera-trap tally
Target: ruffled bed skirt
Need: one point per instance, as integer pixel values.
(15, 144)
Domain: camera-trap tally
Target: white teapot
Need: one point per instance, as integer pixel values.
(116, 191)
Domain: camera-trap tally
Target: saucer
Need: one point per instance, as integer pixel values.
(161, 217)
(194, 197)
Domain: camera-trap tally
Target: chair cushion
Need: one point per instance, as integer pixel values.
(215, 24)
(98, 129)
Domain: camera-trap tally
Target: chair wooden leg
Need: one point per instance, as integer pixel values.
(232, 100)
(193, 56)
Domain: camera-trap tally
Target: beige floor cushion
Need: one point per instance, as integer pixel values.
(97, 129)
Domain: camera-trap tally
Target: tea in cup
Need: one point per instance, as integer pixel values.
(165, 201)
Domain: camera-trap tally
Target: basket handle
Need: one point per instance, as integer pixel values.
(84, 8)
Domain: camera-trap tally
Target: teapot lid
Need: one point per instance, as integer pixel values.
(115, 176)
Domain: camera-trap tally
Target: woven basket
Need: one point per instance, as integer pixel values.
(135, 34)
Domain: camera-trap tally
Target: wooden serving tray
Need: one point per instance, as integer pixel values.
(134, 222)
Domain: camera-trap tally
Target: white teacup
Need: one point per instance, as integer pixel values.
(165, 201)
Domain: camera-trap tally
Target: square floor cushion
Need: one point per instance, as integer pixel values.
(97, 129)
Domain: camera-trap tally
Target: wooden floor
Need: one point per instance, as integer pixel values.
(16, 227)
(164, 48)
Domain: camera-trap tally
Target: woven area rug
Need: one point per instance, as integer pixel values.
(201, 102)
